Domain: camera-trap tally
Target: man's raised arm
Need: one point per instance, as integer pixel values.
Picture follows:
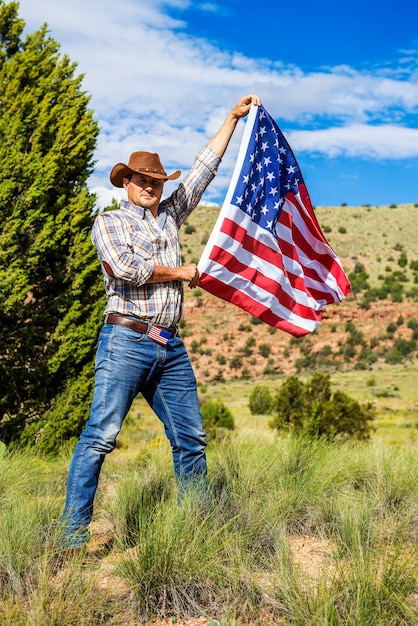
(220, 140)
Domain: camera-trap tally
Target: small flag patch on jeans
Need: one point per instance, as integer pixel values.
(159, 335)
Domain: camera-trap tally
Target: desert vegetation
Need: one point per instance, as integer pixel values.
(291, 531)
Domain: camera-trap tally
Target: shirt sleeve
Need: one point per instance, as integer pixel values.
(111, 237)
(189, 193)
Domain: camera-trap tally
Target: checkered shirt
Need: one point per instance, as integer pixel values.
(131, 241)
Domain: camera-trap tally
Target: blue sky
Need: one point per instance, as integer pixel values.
(341, 80)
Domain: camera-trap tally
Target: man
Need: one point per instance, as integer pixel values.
(139, 349)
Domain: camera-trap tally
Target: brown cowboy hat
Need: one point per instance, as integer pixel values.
(143, 162)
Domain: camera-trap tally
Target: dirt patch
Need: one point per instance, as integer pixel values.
(313, 556)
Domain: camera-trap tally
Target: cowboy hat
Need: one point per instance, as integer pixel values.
(143, 162)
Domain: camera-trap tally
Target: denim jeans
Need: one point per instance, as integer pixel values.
(129, 363)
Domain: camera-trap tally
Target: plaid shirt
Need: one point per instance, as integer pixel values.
(132, 241)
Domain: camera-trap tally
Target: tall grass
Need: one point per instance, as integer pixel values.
(290, 531)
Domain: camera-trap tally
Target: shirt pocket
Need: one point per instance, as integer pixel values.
(143, 245)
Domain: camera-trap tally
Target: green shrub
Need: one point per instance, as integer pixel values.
(260, 400)
(341, 416)
(391, 328)
(217, 419)
(264, 349)
(312, 409)
(412, 323)
(289, 405)
(401, 349)
(413, 294)
(358, 282)
(355, 336)
(245, 350)
(367, 356)
(235, 363)
(371, 295)
(403, 260)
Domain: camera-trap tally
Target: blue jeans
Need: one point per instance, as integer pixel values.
(129, 363)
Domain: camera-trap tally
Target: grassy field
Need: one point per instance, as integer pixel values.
(290, 532)
(392, 389)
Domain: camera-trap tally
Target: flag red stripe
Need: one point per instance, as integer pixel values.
(257, 278)
(255, 308)
(275, 257)
(311, 226)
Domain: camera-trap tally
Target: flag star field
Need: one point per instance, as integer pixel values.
(269, 172)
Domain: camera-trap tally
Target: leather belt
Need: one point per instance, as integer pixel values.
(140, 327)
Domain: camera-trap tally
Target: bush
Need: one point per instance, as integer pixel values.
(289, 405)
(412, 323)
(403, 260)
(340, 417)
(189, 229)
(235, 363)
(401, 349)
(261, 400)
(264, 349)
(312, 409)
(217, 419)
(391, 328)
(358, 278)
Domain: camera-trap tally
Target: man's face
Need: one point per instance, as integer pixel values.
(144, 191)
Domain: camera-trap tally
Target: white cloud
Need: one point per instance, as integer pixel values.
(377, 142)
(156, 87)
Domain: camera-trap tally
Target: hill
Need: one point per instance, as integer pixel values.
(374, 325)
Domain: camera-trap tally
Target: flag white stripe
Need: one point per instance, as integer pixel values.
(259, 295)
(330, 284)
(249, 259)
(226, 242)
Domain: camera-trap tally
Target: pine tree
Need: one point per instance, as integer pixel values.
(51, 290)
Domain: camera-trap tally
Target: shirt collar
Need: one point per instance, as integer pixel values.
(140, 211)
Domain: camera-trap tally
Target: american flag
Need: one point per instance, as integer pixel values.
(267, 253)
(159, 335)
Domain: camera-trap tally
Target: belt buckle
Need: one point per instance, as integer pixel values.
(160, 335)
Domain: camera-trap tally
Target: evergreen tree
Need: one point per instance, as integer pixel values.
(50, 284)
